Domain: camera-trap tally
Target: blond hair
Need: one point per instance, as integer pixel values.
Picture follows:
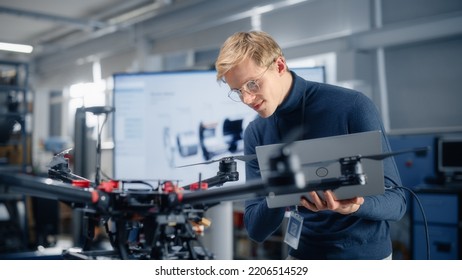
(256, 45)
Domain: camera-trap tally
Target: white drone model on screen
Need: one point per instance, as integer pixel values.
(208, 139)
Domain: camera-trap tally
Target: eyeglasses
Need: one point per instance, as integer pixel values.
(252, 87)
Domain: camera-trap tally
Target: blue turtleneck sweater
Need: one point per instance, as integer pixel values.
(329, 111)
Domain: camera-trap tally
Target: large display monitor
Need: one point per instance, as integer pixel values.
(164, 120)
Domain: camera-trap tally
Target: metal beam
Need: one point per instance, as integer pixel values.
(164, 29)
(79, 23)
(409, 32)
(386, 36)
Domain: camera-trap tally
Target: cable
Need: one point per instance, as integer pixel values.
(105, 175)
(137, 182)
(427, 237)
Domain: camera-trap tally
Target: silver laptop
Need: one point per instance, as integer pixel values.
(323, 152)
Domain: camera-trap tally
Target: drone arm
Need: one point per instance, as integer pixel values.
(286, 180)
(227, 172)
(219, 180)
(245, 191)
(66, 177)
(50, 189)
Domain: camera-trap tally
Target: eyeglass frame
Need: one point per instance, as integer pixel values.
(238, 91)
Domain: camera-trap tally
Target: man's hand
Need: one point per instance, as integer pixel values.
(345, 206)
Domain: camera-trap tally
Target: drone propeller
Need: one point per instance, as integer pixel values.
(422, 151)
(241, 157)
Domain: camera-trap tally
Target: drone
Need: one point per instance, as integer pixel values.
(165, 222)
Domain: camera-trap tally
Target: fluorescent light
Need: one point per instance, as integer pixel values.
(16, 47)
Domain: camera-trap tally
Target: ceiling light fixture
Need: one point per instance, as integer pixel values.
(16, 47)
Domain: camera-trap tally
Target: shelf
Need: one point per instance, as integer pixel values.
(15, 147)
(13, 75)
(6, 88)
(15, 152)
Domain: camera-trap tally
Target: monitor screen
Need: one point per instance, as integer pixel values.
(169, 119)
(449, 155)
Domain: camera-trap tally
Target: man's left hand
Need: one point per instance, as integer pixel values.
(344, 206)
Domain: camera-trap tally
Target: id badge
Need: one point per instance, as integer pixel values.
(294, 229)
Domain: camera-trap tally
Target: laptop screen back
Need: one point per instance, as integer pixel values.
(324, 152)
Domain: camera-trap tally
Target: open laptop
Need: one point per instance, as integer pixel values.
(326, 150)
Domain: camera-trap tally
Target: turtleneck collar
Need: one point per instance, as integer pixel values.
(294, 98)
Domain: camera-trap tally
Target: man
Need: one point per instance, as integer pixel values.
(253, 66)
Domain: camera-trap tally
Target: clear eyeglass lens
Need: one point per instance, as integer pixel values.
(252, 86)
(235, 95)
